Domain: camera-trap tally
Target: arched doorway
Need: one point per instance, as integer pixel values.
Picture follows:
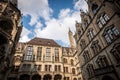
(75, 79)
(6, 25)
(107, 78)
(3, 39)
(24, 77)
(3, 46)
(47, 77)
(36, 77)
(57, 77)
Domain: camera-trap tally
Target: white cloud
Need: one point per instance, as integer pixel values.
(56, 29)
(24, 35)
(36, 9)
(80, 4)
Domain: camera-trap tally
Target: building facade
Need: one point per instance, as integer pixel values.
(10, 29)
(98, 40)
(44, 59)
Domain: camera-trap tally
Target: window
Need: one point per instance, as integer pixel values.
(86, 24)
(102, 20)
(79, 32)
(15, 68)
(29, 53)
(56, 55)
(48, 54)
(65, 60)
(66, 78)
(102, 61)
(66, 69)
(57, 68)
(95, 46)
(26, 67)
(48, 68)
(17, 58)
(35, 68)
(110, 34)
(73, 70)
(90, 34)
(82, 44)
(86, 56)
(116, 52)
(39, 53)
(90, 70)
(72, 62)
(39, 67)
(75, 79)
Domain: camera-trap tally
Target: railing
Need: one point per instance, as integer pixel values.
(104, 70)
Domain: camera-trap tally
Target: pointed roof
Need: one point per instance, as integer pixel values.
(43, 42)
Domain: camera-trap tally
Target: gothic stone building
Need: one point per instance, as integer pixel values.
(98, 40)
(44, 59)
(10, 30)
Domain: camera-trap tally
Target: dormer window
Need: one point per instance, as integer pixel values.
(48, 43)
(94, 8)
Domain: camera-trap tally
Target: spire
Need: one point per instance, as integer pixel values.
(15, 2)
(71, 39)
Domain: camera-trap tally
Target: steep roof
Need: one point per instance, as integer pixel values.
(43, 42)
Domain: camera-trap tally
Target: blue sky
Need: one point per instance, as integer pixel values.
(50, 19)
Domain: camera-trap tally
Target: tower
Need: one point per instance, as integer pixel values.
(10, 30)
(71, 39)
(15, 2)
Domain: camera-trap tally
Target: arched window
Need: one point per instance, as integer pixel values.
(95, 46)
(86, 56)
(90, 70)
(83, 44)
(102, 61)
(116, 52)
(72, 62)
(73, 70)
(65, 60)
(86, 23)
(75, 79)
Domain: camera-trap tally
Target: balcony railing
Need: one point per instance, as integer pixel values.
(104, 70)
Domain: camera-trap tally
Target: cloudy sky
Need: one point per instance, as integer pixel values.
(50, 18)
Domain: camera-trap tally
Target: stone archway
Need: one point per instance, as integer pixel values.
(107, 78)
(24, 77)
(47, 77)
(75, 79)
(3, 39)
(6, 25)
(57, 77)
(36, 77)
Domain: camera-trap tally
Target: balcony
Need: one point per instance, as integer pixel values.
(104, 70)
